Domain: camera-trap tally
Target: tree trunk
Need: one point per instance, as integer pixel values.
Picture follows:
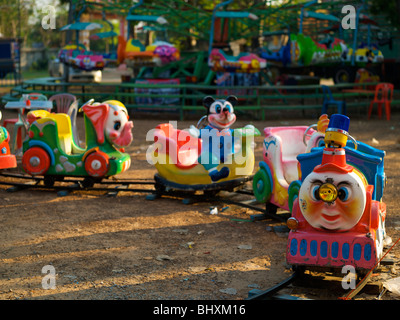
(398, 11)
(68, 36)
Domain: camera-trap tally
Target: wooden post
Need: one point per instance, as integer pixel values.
(182, 104)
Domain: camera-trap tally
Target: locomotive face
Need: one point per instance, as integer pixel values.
(332, 201)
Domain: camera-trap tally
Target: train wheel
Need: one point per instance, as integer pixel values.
(262, 185)
(36, 161)
(49, 181)
(211, 193)
(88, 182)
(97, 164)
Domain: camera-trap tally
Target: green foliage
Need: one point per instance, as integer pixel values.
(11, 15)
(40, 64)
(188, 20)
(23, 19)
(389, 8)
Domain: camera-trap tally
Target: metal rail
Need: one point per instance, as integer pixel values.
(75, 184)
(258, 99)
(122, 185)
(269, 293)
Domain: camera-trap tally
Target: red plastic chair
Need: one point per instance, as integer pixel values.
(383, 96)
(63, 101)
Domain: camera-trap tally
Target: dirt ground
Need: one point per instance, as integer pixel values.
(127, 247)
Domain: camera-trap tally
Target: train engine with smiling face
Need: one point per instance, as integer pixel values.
(337, 219)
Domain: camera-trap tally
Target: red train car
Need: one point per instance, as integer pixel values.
(7, 160)
(335, 220)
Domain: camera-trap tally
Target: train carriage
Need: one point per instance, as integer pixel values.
(7, 160)
(338, 217)
(210, 158)
(50, 149)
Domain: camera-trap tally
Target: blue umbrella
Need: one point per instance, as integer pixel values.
(103, 35)
(135, 17)
(82, 26)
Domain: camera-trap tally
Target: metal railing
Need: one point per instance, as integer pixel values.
(183, 98)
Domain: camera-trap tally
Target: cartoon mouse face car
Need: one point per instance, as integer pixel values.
(220, 112)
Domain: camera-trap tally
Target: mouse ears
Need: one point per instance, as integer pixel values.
(208, 101)
(232, 100)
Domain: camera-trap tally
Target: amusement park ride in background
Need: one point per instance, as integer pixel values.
(241, 69)
(82, 64)
(136, 54)
(289, 46)
(331, 57)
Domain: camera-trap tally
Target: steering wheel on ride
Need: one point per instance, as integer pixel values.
(202, 122)
(306, 134)
(321, 136)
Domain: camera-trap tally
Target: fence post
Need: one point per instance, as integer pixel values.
(182, 104)
(117, 93)
(259, 105)
(83, 93)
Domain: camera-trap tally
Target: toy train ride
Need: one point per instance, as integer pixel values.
(277, 180)
(210, 158)
(7, 160)
(332, 186)
(338, 217)
(279, 167)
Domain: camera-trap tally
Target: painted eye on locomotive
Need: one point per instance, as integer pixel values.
(334, 205)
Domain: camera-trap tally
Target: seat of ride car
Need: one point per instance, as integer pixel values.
(179, 145)
(292, 145)
(64, 127)
(64, 131)
(135, 45)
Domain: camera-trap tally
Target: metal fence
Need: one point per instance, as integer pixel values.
(184, 99)
(10, 66)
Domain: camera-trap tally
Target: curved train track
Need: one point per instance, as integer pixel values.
(70, 184)
(272, 293)
(18, 182)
